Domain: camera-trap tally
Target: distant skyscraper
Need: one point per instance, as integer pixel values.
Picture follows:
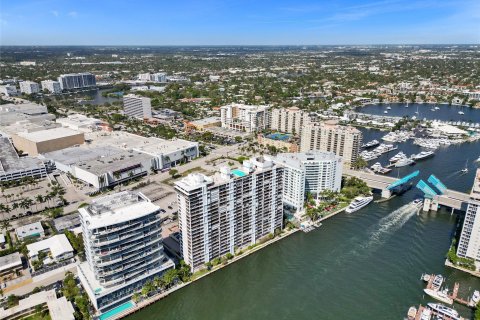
(344, 141)
(137, 106)
(231, 209)
(311, 172)
(123, 246)
(469, 243)
(51, 86)
(77, 81)
(29, 87)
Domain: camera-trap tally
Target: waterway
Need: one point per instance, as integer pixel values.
(364, 265)
(445, 113)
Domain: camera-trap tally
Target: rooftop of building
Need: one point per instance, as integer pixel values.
(476, 185)
(58, 245)
(50, 134)
(205, 121)
(25, 108)
(126, 141)
(117, 208)
(247, 107)
(298, 159)
(72, 155)
(225, 174)
(11, 162)
(113, 162)
(333, 124)
(78, 120)
(10, 261)
(31, 229)
(66, 222)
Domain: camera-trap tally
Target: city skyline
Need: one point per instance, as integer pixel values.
(240, 23)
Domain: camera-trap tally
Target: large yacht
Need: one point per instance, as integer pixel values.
(404, 162)
(372, 143)
(441, 296)
(423, 155)
(441, 310)
(358, 203)
(397, 157)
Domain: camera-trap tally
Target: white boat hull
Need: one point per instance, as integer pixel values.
(436, 296)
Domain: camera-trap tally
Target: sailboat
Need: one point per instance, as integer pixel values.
(406, 105)
(416, 112)
(461, 111)
(465, 170)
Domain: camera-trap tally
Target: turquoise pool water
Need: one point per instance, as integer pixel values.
(239, 173)
(117, 310)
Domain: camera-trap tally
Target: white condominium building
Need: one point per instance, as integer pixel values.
(8, 90)
(123, 246)
(241, 117)
(231, 209)
(311, 172)
(51, 86)
(469, 244)
(344, 141)
(153, 77)
(137, 106)
(289, 120)
(29, 87)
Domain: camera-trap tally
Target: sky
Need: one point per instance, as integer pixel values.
(238, 22)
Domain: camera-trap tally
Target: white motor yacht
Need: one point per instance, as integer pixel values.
(358, 203)
(404, 162)
(442, 310)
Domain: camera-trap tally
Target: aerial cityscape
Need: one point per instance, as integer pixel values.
(240, 160)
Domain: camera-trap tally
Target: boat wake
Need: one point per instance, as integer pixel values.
(389, 224)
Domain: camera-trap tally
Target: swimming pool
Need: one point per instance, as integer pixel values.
(239, 173)
(117, 310)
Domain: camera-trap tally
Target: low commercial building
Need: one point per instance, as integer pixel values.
(29, 231)
(123, 247)
(166, 154)
(281, 141)
(34, 143)
(13, 167)
(310, 172)
(10, 265)
(68, 222)
(57, 249)
(202, 124)
(80, 122)
(29, 87)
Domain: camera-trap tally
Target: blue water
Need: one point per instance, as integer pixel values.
(117, 310)
(278, 136)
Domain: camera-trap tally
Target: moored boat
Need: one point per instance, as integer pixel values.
(441, 296)
(442, 310)
(404, 162)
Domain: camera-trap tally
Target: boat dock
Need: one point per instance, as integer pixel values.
(454, 295)
(421, 308)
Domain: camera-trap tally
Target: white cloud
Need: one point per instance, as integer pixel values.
(73, 14)
(55, 13)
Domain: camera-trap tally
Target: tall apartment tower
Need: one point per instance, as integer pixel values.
(469, 243)
(51, 86)
(344, 141)
(123, 247)
(311, 172)
(29, 87)
(137, 106)
(77, 81)
(289, 120)
(231, 209)
(247, 118)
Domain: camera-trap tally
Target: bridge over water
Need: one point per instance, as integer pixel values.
(450, 198)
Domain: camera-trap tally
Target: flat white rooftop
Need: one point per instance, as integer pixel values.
(10, 261)
(117, 208)
(29, 229)
(58, 245)
(47, 135)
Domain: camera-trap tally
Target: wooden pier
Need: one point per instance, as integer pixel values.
(454, 295)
